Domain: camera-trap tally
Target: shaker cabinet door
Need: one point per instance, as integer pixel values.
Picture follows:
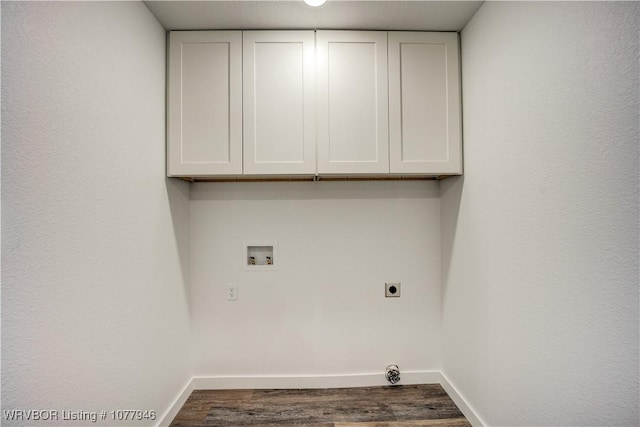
(352, 102)
(424, 103)
(279, 102)
(204, 103)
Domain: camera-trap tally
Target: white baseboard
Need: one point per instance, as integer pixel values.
(460, 402)
(311, 381)
(177, 404)
(317, 381)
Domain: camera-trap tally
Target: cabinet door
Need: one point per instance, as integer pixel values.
(205, 103)
(279, 102)
(352, 102)
(424, 103)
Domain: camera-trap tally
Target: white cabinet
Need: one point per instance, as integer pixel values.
(352, 102)
(279, 103)
(424, 104)
(305, 103)
(205, 103)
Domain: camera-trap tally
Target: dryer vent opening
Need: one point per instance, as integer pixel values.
(392, 374)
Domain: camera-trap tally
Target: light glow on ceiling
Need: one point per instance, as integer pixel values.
(315, 3)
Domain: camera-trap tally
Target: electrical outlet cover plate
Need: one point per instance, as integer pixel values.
(392, 289)
(232, 292)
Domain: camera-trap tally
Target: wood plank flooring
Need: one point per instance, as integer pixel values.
(399, 406)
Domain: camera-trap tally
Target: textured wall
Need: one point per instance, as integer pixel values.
(540, 238)
(323, 311)
(94, 240)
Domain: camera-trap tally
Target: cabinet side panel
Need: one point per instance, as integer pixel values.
(205, 103)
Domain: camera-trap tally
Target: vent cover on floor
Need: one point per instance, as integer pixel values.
(393, 374)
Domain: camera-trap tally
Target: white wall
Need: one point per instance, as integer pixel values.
(540, 237)
(94, 239)
(323, 311)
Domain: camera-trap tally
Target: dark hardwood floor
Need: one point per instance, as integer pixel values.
(399, 406)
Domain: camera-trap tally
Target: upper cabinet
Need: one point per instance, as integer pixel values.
(424, 103)
(305, 103)
(204, 103)
(353, 110)
(279, 103)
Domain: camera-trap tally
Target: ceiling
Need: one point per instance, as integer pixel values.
(335, 14)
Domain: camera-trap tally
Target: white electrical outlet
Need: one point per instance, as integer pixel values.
(232, 292)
